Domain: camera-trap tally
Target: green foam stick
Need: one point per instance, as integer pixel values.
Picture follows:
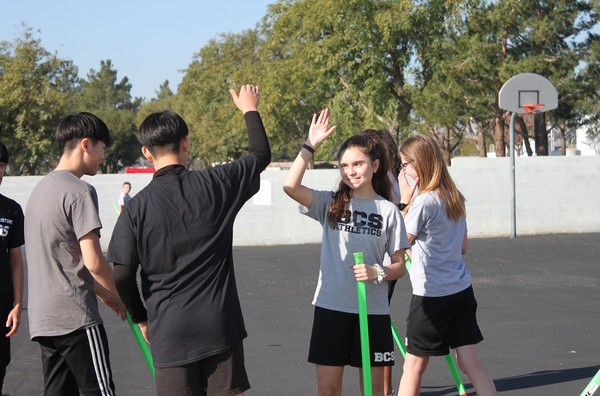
(594, 384)
(451, 364)
(398, 340)
(137, 333)
(363, 321)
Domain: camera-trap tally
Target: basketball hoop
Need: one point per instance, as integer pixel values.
(532, 107)
(532, 90)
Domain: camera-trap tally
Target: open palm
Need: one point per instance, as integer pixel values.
(319, 128)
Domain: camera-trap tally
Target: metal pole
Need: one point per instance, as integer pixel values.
(513, 199)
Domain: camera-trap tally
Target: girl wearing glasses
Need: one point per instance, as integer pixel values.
(443, 308)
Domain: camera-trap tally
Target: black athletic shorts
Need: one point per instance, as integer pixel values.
(222, 374)
(335, 339)
(436, 324)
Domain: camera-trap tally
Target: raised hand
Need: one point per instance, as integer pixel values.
(248, 98)
(407, 190)
(319, 128)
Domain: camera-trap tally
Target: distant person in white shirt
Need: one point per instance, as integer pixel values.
(124, 197)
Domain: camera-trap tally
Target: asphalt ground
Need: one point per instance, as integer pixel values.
(539, 311)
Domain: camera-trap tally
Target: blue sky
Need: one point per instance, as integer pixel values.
(147, 41)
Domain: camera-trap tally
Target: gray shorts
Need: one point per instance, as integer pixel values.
(222, 374)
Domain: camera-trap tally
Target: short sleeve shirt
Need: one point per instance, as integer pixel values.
(124, 198)
(437, 266)
(11, 236)
(179, 228)
(61, 210)
(374, 227)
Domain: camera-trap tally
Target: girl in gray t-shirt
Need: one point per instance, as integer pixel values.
(442, 312)
(356, 217)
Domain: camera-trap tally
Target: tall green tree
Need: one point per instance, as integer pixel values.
(354, 58)
(539, 37)
(35, 91)
(110, 99)
(165, 100)
(217, 132)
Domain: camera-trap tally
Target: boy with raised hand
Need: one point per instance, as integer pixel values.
(179, 228)
(67, 269)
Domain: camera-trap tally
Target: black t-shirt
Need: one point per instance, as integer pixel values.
(11, 236)
(180, 229)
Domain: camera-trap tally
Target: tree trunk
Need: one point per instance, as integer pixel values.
(481, 148)
(447, 151)
(541, 135)
(525, 135)
(499, 135)
(563, 137)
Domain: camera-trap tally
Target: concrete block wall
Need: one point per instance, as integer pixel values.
(553, 195)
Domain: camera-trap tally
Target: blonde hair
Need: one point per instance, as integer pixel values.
(423, 153)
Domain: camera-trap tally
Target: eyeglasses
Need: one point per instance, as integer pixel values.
(404, 165)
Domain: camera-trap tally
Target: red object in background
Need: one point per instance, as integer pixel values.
(139, 169)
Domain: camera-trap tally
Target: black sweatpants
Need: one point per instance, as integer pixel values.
(76, 363)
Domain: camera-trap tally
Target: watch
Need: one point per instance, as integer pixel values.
(380, 274)
(402, 206)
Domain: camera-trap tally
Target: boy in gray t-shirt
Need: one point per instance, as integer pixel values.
(67, 269)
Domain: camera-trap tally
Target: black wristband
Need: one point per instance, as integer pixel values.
(308, 148)
(402, 206)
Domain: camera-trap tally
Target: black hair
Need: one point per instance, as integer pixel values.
(78, 126)
(163, 131)
(4, 154)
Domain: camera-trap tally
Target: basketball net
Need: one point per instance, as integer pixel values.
(532, 108)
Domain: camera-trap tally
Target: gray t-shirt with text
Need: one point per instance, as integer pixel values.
(374, 227)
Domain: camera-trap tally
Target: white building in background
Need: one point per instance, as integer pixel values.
(584, 145)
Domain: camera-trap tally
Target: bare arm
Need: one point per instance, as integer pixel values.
(464, 245)
(395, 270)
(292, 185)
(16, 266)
(95, 262)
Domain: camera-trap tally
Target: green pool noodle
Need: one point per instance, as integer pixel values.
(591, 388)
(363, 321)
(137, 333)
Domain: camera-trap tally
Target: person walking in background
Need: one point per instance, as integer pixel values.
(387, 142)
(179, 228)
(356, 217)
(124, 196)
(66, 267)
(443, 308)
(11, 268)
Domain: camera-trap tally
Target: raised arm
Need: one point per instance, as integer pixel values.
(247, 102)
(318, 132)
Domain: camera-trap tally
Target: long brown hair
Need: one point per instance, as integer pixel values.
(381, 181)
(423, 153)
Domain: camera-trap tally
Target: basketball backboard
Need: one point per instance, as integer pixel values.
(527, 89)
